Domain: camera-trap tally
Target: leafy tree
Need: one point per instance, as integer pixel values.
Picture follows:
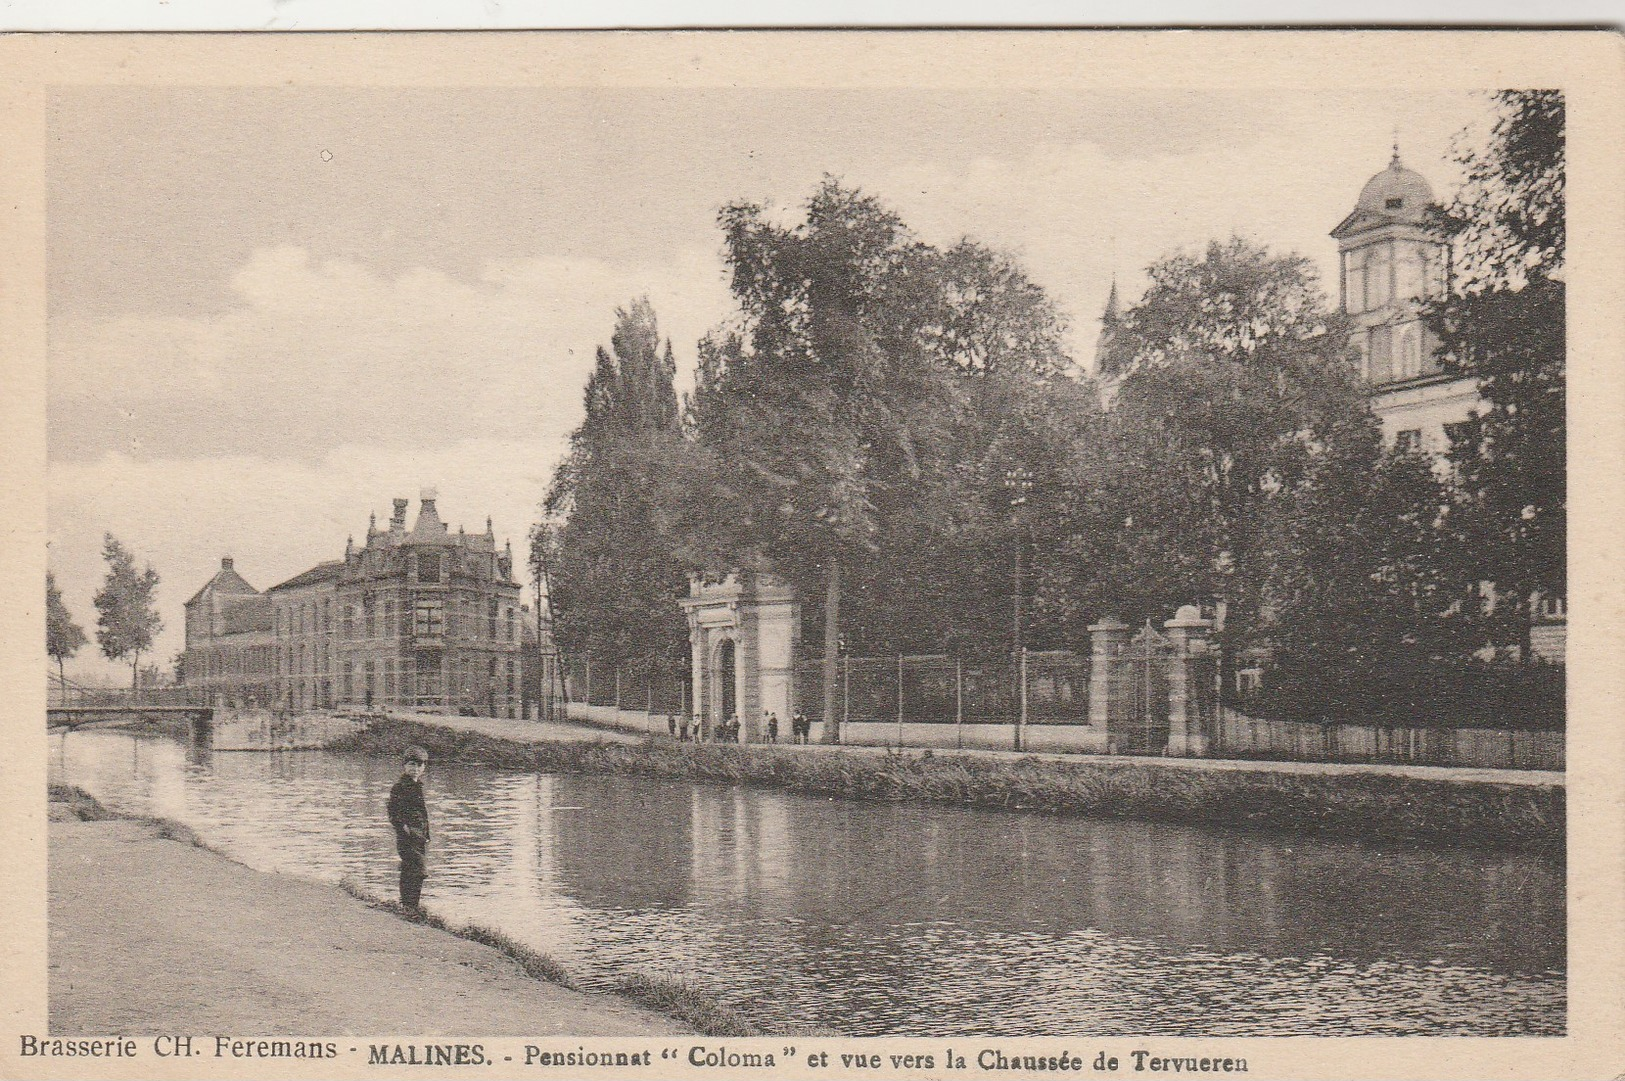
(823, 396)
(1363, 597)
(1237, 379)
(126, 620)
(612, 574)
(1504, 324)
(63, 636)
(845, 401)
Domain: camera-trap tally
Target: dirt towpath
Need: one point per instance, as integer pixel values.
(149, 935)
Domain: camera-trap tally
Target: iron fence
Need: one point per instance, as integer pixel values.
(647, 689)
(941, 689)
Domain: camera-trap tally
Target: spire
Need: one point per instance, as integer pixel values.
(1107, 359)
(488, 532)
(1394, 162)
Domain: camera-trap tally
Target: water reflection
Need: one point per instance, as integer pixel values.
(869, 918)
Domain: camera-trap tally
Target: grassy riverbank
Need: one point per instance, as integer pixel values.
(1371, 805)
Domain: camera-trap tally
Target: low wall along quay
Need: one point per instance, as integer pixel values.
(1235, 736)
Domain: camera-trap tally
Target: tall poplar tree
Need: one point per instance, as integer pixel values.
(126, 620)
(613, 575)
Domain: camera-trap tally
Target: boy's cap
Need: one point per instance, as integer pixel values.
(416, 754)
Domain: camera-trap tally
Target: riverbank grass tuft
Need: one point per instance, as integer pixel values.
(688, 1004)
(536, 965)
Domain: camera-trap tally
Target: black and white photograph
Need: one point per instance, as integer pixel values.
(680, 554)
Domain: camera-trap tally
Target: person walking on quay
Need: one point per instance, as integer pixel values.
(409, 815)
(671, 725)
(772, 727)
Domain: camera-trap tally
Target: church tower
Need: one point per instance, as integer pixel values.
(1389, 265)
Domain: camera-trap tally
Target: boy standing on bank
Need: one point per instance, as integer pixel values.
(409, 814)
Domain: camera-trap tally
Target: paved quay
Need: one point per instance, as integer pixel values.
(541, 732)
(149, 935)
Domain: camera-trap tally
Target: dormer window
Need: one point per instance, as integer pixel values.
(1395, 203)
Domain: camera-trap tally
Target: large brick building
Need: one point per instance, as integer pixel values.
(418, 618)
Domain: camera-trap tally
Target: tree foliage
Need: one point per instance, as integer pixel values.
(847, 400)
(63, 636)
(607, 555)
(1238, 380)
(1363, 595)
(1504, 324)
(126, 620)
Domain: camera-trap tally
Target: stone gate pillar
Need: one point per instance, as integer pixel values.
(697, 681)
(1108, 677)
(1188, 734)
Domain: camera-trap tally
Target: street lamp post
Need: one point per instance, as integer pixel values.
(1018, 482)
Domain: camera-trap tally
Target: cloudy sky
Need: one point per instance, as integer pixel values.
(272, 310)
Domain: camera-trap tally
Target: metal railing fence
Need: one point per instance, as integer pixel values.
(942, 689)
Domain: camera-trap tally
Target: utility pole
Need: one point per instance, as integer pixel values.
(1018, 482)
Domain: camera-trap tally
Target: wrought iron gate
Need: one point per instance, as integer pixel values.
(1147, 658)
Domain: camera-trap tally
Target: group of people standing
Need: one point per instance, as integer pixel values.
(681, 728)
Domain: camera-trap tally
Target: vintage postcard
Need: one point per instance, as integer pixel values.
(915, 555)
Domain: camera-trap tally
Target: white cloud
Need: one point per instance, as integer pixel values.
(318, 354)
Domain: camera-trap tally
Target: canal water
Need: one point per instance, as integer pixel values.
(876, 918)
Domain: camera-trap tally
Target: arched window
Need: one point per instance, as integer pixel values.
(1409, 270)
(1355, 286)
(1378, 281)
(1410, 354)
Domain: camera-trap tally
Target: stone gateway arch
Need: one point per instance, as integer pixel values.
(743, 634)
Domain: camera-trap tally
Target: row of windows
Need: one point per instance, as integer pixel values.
(1389, 354)
(432, 568)
(1378, 274)
(236, 662)
(388, 680)
(387, 619)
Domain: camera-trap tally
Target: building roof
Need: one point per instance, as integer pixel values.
(321, 572)
(248, 614)
(1397, 192)
(225, 580)
(1396, 195)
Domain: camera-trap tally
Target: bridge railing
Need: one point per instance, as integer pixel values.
(68, 693)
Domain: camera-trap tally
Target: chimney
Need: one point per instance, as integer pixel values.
(428, 523)
(398, 522)
(225, 563)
